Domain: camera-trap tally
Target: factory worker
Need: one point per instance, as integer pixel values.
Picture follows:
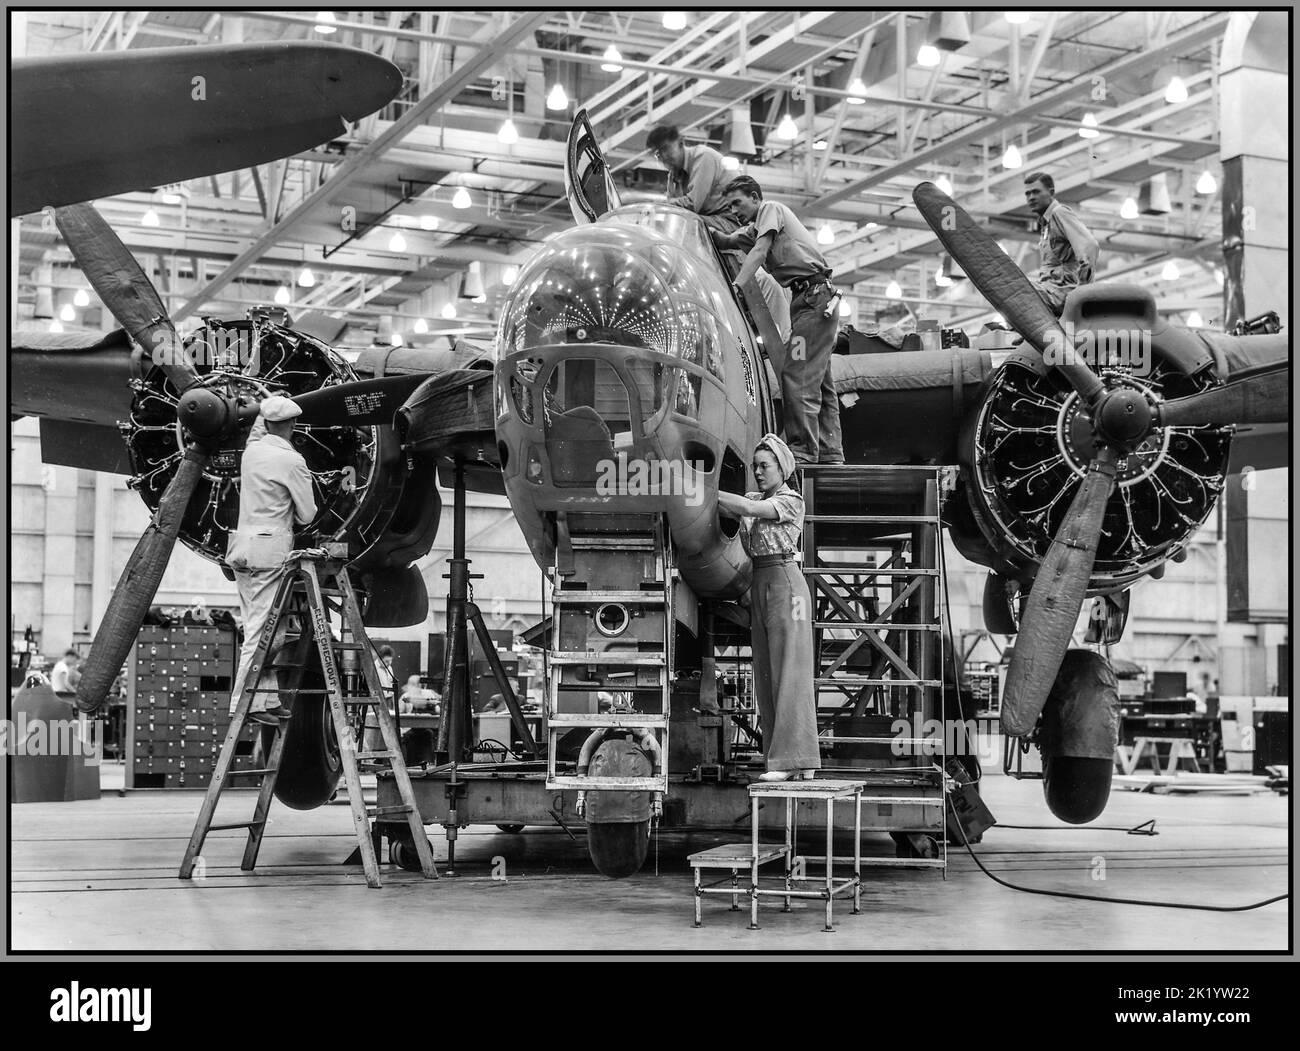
(275, 492)
(771, 529)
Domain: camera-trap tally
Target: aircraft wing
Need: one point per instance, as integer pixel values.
(87, 126)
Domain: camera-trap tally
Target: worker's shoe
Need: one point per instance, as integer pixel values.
(777, 775)
(271, 718)
(808, 775)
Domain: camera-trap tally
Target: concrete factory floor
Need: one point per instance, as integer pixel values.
(101, 875)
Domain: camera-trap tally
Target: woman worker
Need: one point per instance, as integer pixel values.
(771, 529)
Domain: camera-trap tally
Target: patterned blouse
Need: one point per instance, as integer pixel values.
(780, 536)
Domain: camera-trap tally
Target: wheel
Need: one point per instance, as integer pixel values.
(618, 849)
(915, 845)
(402, 853)
(310, 765)
(512, 829)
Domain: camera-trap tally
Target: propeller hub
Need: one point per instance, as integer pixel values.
(205, 413)
(1123, 417)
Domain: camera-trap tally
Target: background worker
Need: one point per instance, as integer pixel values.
(275, 492)
(65, 674)
(1067, 251)
(791, 255)
(697, 181)
(771, 530)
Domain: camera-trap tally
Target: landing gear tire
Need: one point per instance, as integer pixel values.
(618, 849)
(511, 829)
(402, 853)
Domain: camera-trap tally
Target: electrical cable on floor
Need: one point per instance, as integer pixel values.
(1095, 897)
(1147, 828)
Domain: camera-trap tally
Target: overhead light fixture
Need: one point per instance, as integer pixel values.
(1153, 195)
(820, 144)
(893, 290)
(67, 313)
(1016, 18)
(928, 55)
(941, 279)
(557, 99)
(740, 134)
(508, 133)
(1129, 209)
(461, 199)
(306, 278)
(825, 235)
(428, 222)
(282, 295)
(1194, 320)
(857, 92)
(150, 218)
(171, 197)
(81, 299)
(397, 243)
(949, 30)
(730, 163)
(396, 339)
(325, 22)
(1206, 183)
(950, 268)
(787, 129)
(420, 327)
(1088, 127)
(55, 326)
(1176, 91)
(613, 60)
(846, 309)
(509, 274)
(449, 311)
(471, 286)
(674, 20)
(944, 184)
(1011, 157)
(1170, 271)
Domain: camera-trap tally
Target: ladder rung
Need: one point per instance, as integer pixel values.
(608, 657)
(620, 784)
(874, 625)
(276, 689)
(252, 773)
(237, 824)
(855, 680)
(623, 543)
(363, 756)
(880, 519)
(358, 701)
(348, 646)
(837, 570)
(649, 597)
(636, 719)
(380, 811)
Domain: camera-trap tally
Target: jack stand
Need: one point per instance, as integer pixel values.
(455, 790)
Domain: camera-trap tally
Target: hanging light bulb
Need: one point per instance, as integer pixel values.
(1206, 183)
(787, 129)
(306, 278)
(613, 60)
(461, 199)
(508, 133)
(857, 92)
(675, 20)
(55, 326)
(1176, 91)
(928, 55)
(471, 286)
(1088, 127)
(449, 311)
(81, 299)
(428, 222)
(944, 184)
(825, 235)
(942, 280)
(1129, 209)
(421, 326)
(1170, 271)
(67, 313)
(845, 309)
(893, 290)
(1011, 158)
(396, 339)
(171, 197)
(282, 295)
(1194, 320)
(730, 163)
(150, 218)
(557, 99)
(1016, 18)
(325, 22)
(820, 144)
(397, 243)
(509, 274)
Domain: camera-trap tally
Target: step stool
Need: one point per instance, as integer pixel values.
(733, 856)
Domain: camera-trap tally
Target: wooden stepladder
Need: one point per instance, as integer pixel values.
(317, 594)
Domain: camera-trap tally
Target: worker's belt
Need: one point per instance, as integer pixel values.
(802, 284)
(762, 561)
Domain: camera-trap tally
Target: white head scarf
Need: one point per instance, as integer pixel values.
(778, 448)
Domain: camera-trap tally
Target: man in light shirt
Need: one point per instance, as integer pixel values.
(65, 675)
(1067, 251)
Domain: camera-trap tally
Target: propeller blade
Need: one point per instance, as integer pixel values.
(1260, 395)
(115, 275)
(365, 403)
(138, 584)
(1003, 284)
(1056, 598)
